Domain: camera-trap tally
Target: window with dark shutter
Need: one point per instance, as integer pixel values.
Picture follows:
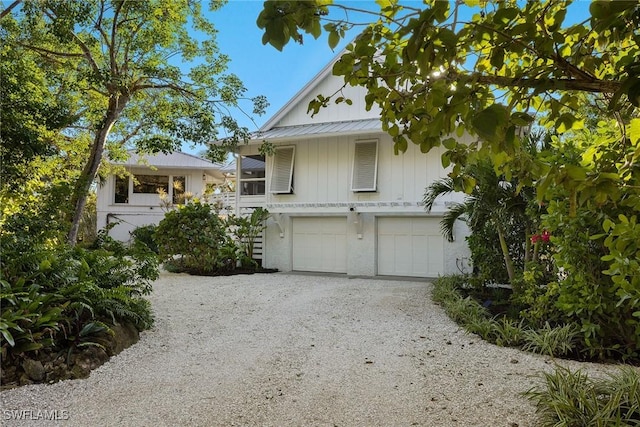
(282, 172)
(365, 166)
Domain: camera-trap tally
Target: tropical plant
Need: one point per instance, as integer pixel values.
(573, 399)
(246, 229)
(552, 341)
(146, 235)
(59, 298)
(495, 211)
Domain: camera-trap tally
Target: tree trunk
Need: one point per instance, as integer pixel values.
(505, 253)
(527, 245)
(88, 175)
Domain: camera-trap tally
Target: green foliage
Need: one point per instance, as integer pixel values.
(145, 235)
(489, 76)
(246, 230)
(56, 297)
(509, 332)
(496, 212)
(573, 399)
(31, 318)
(586, 293)
(445, 288)
(103, 73)
(553, 340)
(556, 341)
(194, 237)
(538, 297)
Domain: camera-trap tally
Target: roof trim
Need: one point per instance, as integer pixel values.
(327, 129)
(148, 161)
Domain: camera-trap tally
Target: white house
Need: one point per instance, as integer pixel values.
(341, 201)
(134, 200)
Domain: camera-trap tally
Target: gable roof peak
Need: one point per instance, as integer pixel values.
(302, 93)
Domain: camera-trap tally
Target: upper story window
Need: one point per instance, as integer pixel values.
(365, 166)
(282, 173)
(252, 175)
(136, 190)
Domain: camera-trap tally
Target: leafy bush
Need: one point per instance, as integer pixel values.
(146, 235)
(508, 332)
(56, 297)
(246, 230)
(573, 399)
(195, 238)
(598, 289)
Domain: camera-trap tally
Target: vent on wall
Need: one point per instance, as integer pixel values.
(365, 166)
(282, 172)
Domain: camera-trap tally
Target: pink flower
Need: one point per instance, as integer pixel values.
(545, 236)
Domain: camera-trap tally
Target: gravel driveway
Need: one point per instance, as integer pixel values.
(294, 350)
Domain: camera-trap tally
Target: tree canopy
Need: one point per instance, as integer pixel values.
(129, 74)
(487, 68)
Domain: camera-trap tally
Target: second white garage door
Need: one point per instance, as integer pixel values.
(410, 247)
(320, 244)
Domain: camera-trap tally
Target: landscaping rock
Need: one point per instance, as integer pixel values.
(33, 369)
(125, 335)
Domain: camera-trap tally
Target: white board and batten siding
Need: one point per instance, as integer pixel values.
(343, 169)
(298, 115)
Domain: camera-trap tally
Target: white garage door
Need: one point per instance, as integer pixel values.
(320, 244)
(410, 247)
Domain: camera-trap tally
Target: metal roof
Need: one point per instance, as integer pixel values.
(248, 163)
(332, 128)
(177, 160)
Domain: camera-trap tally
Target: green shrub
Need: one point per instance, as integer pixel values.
(552, 341)
(445, 288)
(146, 235)
(598, 289)
(245, 230)
(573, 399)
(194, 238)
(558, 341)
(483, 327)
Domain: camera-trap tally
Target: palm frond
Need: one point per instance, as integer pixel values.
(436, 189)
(455, 212)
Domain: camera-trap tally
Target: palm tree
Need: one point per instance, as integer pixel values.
(494, 201)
